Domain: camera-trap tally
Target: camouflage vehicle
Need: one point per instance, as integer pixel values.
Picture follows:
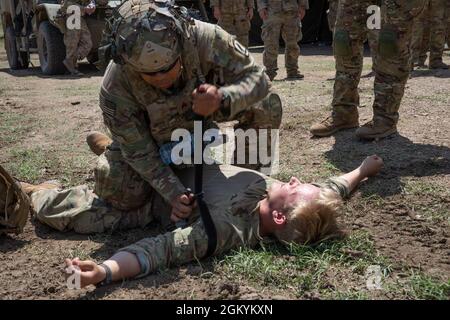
(34, 26)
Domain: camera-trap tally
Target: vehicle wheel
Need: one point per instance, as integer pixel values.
(12, 53)
(51, 48)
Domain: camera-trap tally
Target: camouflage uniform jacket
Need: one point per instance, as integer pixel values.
(232, 195)
(233, 6)
(141, 118)
(282, 5)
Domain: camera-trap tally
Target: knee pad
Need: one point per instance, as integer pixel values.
(273, 106)
(387, 43)
(342, 44)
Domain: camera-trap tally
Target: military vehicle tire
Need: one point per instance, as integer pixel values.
(51, 48)
(12, 53)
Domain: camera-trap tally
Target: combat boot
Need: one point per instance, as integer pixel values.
(295, 76)
(376, 130)
(98, 142)
(48, 185)
(438, 65)
(71, 67)
(334, 123)
(271, 75)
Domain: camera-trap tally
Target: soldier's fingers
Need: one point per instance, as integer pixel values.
(174, 218)
(86, 265)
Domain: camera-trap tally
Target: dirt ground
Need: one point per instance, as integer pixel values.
(399, 220)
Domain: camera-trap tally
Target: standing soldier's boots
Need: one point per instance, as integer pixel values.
(376, 130)
(98, 142)
(334, 123)
(294, 76)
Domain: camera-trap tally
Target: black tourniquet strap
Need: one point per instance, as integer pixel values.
(210, 228)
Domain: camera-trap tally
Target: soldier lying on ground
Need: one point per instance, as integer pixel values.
(291, 212)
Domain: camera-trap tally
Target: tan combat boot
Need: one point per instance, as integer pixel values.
(333, 124)
(48, 185)
(375, 130)
(98, 142)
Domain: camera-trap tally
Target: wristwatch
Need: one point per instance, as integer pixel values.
(108, 278)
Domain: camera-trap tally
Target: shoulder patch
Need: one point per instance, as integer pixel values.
(240, 48)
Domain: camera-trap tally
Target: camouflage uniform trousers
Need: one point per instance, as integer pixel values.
(121, 198)
(429, 32)
(392, 65)
(78, 42)
(372, 35)
(238, 25)
(289, 25)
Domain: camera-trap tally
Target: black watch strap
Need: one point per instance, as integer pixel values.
(108, 278)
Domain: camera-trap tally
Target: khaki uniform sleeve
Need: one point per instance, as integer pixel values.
(170, 249)
(129, 127)
(337, 184)
(245, 82)
(262, 4)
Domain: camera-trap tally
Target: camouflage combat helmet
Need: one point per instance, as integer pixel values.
(146, 34)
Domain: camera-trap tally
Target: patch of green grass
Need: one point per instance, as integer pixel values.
(422, 286)
(79, 252)
(13, 126)
(28, 164)
(304, 268)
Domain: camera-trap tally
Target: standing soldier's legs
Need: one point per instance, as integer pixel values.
(227, 23)
(392, 67)
(266, 115)
(242, 29)
(71, 40)
(332, 12)
(437, 41)
(85, 44)
(292, 33)
(421, 30)
(271, 36)
(349, 36)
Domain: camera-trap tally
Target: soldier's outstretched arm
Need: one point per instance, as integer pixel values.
(368, 168)
(147, 256)
(243, 82)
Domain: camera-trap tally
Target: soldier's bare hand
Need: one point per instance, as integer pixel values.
(371, 166)
(182, 207)
(263, 14)
(206, 100)
(217, 13)
(88, 271)
(250, 13)
(301, 13)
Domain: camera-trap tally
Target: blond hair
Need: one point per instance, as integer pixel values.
(313, 221)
